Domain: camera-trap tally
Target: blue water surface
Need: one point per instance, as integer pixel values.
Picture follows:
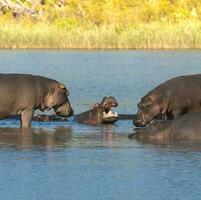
(67, 160)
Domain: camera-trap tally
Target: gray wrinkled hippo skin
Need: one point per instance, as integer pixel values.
(186, 127)
(22, 94)
(172, 98)
(97, 114)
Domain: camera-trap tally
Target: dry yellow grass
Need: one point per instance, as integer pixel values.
(100, 24)
(184, 35)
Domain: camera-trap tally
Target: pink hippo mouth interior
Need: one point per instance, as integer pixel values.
(107, 111)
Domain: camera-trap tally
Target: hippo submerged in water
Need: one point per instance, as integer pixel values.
(186, 127)
(98, 114)
(173, 98)
(22, 94)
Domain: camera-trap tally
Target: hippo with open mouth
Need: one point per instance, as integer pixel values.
(22, 94)
(98, 114)
(185, 128)
(172, 99)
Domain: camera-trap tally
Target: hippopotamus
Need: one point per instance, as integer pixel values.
(185, 128)
(171, 99)
(22, 94)
(98, 114)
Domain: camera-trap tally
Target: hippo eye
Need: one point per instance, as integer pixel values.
(148, 102)
(150, 99)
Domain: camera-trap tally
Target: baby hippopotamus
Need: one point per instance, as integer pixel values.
(98, 114)
(187, 127)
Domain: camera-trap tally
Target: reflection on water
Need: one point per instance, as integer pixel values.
(186, 145)
(92, 137)
(26, 138)
(102, 136)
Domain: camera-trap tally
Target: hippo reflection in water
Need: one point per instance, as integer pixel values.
(185, 128)
(172, 98)
(27, 138)
(98, 114)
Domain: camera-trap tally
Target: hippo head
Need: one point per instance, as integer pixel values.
(156, 103)
(57, 98)
(64, 109)
(149, 107)
(107, 104)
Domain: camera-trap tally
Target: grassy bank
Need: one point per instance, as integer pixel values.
(185, 35)
(111, 24)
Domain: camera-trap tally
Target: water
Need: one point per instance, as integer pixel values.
(66, 160)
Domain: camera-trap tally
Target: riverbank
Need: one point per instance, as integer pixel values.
(183, 35)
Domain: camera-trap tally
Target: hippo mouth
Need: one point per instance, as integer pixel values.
(108, 113)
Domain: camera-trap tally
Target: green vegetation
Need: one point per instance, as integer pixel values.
(101, 24)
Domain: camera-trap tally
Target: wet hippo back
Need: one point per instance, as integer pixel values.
(187, 127)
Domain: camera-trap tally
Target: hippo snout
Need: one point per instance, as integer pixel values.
(64, 110)
(142, 119)
(65, 113)
(139, 122)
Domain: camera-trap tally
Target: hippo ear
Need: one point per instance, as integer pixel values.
(166, 101)
(166, 106)
(60, 86)
(148, 101)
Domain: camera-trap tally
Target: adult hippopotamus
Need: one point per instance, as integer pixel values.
(172, 98)
(186, 127)
(22, 94)
(98, 114)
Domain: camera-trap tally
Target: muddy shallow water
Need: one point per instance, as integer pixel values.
(67, 160)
